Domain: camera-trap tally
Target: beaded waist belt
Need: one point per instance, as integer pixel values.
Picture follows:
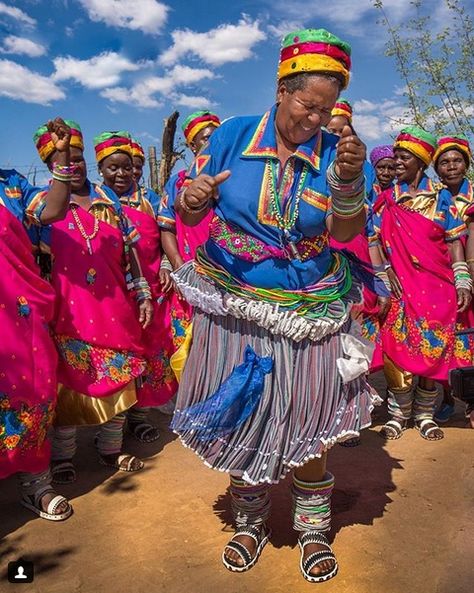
(249, 248)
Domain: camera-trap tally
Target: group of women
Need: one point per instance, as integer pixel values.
(272, 238)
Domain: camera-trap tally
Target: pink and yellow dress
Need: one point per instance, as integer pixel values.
(419, 333)
(27, 353)
(95, 328)
(157, 384)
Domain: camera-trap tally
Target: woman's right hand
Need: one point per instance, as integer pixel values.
(203, 188)
(394, 283)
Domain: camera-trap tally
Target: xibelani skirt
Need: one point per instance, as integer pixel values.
(265, 390)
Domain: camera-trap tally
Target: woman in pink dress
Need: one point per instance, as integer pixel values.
(97, 325)
(421, 231)
(157, 384)
(180, 241)
(27, 354)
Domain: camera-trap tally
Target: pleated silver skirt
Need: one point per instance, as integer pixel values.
(304, 410)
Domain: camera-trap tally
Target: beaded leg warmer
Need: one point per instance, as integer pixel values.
(250, 504)
(64, 443)
(312, 504)
(110, 436)
(425, 403)
(400, 404)
(137, 415)
(30, 484)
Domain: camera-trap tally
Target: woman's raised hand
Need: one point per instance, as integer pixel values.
(60, 134)
(350, 155)
(204, 188)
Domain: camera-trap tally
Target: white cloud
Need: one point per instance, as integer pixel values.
(142, 94)
(377, 121)
(17, 14)
(20, 83)
(103, 70)
(226, 43)
(148, 16)
(341, 12)
(22, 46)
(193, 102)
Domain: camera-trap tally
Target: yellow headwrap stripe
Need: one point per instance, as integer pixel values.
(197, 128)
(312, 63)
(415, 149)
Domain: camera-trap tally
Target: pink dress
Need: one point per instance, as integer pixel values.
(158, 383)
(96, 326)
(27, 354)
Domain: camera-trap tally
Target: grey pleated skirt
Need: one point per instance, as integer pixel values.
(304, 410)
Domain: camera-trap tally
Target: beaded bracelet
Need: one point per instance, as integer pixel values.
(384, 277)
(189, 209)
(348, 197)
(142, 289)
(462, 277)
(62, 172)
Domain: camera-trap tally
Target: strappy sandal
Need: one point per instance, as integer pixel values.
(259, 534)
(63, 472)
(393, 429)
(307, 565)
(123, 462)
(33, 503)
(426, 427)
(143, 431)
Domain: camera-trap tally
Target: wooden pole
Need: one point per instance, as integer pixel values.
(153, 168)
(169, 155)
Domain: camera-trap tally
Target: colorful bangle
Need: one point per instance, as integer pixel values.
(189, 209)
(384, 277)
(62, 172)
(142, 289)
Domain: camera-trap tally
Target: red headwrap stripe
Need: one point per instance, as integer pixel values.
(315, 48)
(409, 138)
(112, 142)
(449, 140)
(212, 119)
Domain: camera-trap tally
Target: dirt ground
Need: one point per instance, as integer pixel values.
(401, 523)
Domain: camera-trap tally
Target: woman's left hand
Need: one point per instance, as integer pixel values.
(60, 134)
(464, 299)
(350, 155)
(145, 316)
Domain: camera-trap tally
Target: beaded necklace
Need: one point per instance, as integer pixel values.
(80, 227)
(280, 199)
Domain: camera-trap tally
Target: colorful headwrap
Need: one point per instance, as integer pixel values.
(196, 122)
(420, 143)
(344, 108)
(109, 143)
(137, 149)
(381, 152)
(459, 142)
(314, 50)
(44, 144)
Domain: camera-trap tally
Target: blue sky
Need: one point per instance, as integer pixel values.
(123, 64)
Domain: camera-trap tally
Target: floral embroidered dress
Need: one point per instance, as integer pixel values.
(158, 383)
(419, 333)
(96, 329)
(27, 354)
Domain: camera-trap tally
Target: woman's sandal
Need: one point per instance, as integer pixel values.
(393, 429)
(63, 472)
(307, 564)
(143, 431)
(33, 503)
(259, 534)
(123, 462)
(426, 427)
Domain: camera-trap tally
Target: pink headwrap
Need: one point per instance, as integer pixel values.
(381, 152)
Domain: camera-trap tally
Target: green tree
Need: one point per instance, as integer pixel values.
(436, 65)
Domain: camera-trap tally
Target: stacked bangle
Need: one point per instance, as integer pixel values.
(462, 277)
(62, 172)
(382, 275)
(189, 209)
(142, 289)
(347, 196)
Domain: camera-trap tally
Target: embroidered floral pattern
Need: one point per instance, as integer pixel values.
(179, 324)
(158, 372)
(251, 249)
(432, 340)
(23, 307)
(104, 364)
(21, 426)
